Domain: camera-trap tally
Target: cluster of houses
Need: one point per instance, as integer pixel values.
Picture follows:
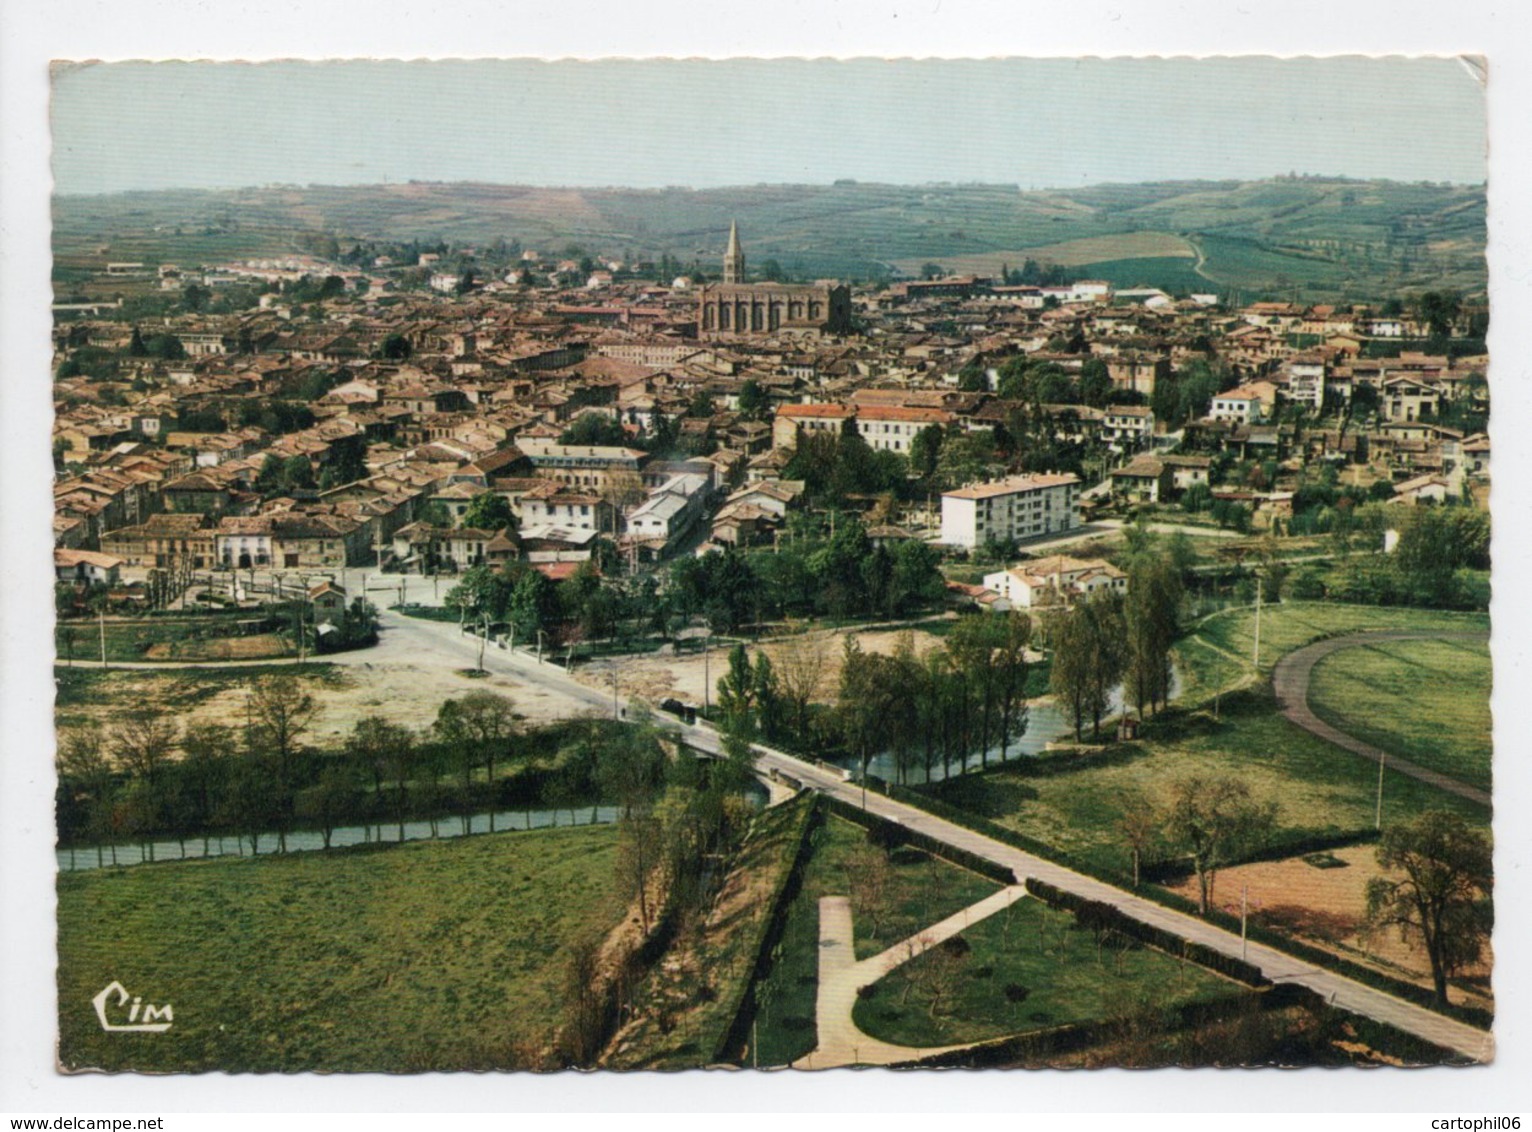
(424, 401)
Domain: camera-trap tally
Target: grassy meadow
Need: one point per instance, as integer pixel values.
(1220, 650)
(1318, 788)
(1425, 700)
(427, 956)
(944, 999)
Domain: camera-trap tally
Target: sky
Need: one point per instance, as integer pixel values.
(649, 123)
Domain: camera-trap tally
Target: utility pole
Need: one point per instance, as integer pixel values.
(539, 646)
(1377, 821)
(101, 623)
(1258, 623)
(1244, 905)
(707, 683)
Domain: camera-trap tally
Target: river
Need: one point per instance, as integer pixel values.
(1046, 723)
(299, 841)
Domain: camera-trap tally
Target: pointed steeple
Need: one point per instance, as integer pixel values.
(734, 258)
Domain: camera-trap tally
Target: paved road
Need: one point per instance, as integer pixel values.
(1291, 679)
(1276, 965)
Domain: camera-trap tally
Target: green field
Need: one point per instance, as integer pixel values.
(1175, 274)
(923, 890)
(1068, 979)
(1290, 625)
(429, 956)
(220, 637)
(1425, 700)
(1318, 788)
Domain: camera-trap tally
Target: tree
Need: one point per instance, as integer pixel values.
(1152, 618)
(640, 837)
(1139, 830)
(1211, 820)
(84, 767)
(489, 511)
(971, 646)
(533, 604)
(206, 750)
(915, 577)
(1089, 657)
(1438, 310)
(281, 713)
(752, 398)
(332, 798)
(965, 458)
(1013, 634)
(142, 743)
(480, 593)
(800, 666)
(1442, 896)
(1095, 383)
(1435, 544)
(736, 690)
(395, 348)
(871, 875)
(485, 722)
(926, 450)
(596, 429)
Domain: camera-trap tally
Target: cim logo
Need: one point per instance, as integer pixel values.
(141, 1019)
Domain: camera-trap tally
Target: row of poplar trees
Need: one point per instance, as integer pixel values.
(1114, 638)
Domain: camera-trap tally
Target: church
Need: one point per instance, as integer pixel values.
(781, 310)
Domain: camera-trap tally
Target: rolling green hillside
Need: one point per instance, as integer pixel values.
(1322, 238)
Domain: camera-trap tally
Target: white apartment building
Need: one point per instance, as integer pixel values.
(1306, 382)
(893, 428)
(1020, 507)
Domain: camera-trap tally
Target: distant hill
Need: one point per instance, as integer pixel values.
(1317, 238)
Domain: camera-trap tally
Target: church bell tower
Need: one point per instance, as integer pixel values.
(733, 259)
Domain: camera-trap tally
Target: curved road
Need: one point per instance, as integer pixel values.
(1290, 679)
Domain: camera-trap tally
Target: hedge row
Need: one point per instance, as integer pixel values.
(736, 1036)
(892, 834)
(1076, 1036)
(1410, 992)
(1100, 916)
(1382, 1036)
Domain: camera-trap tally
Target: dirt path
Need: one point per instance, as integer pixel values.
(839, 1042)
(1291, 677)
